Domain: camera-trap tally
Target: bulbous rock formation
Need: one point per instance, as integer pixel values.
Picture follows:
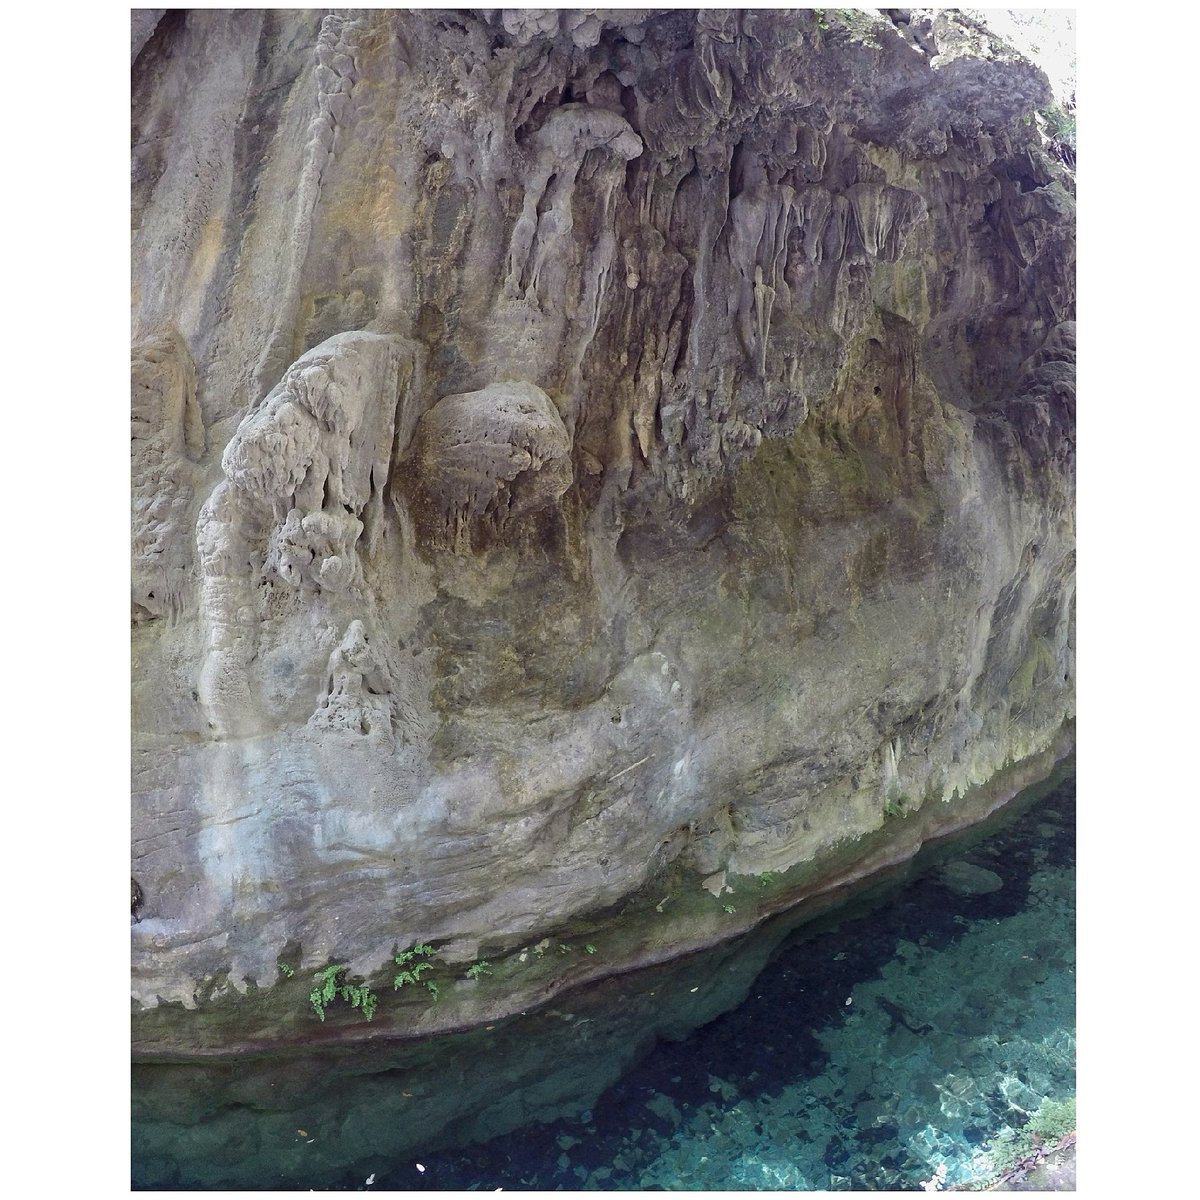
(497, 453)
(582, 461)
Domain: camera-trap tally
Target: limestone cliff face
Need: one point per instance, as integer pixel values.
(578, 456)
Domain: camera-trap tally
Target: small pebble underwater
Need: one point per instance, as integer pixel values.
(920, 1027)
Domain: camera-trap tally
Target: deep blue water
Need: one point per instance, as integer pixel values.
(870, 1050)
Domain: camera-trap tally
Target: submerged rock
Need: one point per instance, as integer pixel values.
(966, 879)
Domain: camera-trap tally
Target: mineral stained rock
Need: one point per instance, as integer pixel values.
(577, 456)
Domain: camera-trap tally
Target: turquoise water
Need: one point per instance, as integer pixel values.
(924, 1032)
(916, 1029)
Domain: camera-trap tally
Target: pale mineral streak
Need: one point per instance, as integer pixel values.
(572, 448)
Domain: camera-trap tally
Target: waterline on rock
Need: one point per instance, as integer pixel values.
(917, 1028)
(870, 1055)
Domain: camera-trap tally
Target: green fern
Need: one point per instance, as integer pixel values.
(357, 996)
(330, 985)
(361, 998)
(320, 997)
(475, 970)
(412, 973)
(422, 951)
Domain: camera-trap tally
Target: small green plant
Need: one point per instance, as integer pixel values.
(285, 970)
(590, 948)
(1052, 1120)
(766, 878)
(321, 996)
(563, 948)
(1058, 127)
(728, 908)
(413, 970)
(356, 995)
(475, 970)
(362, 998)
(1060, 123)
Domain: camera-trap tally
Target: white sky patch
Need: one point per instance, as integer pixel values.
(1046, 35)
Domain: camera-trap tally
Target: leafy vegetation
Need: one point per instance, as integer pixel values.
(1058, 127)
(856, 23)
(413, 970)
(331, 987)
(475, 970)
(1053, 1120)
(285, 970)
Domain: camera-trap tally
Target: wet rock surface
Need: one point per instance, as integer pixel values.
(969, 880)
(576, 455)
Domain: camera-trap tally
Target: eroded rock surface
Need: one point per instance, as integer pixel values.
(578, 456)
(490, 456)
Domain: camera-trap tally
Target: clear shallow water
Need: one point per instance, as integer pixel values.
(868, 1053)
(960, 1021)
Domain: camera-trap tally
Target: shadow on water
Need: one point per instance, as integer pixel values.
(907, 1029)
(771, 1045)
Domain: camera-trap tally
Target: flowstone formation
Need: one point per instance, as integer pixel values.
(594, 470)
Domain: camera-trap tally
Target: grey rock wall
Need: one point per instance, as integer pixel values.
(574, 451)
